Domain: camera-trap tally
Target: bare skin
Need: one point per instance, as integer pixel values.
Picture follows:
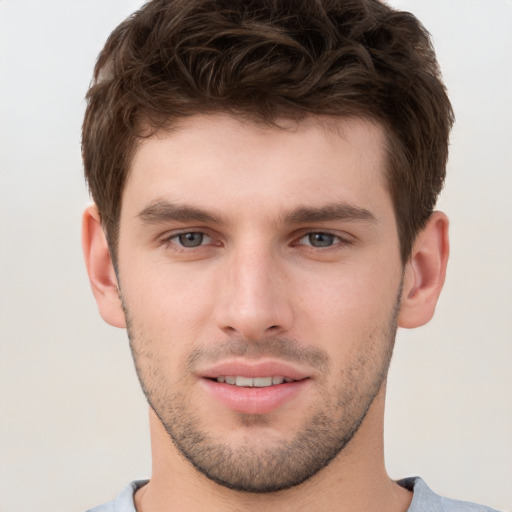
(254, 251)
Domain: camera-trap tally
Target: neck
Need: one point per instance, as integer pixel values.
(356, 480)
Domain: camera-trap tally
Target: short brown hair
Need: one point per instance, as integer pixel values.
(265, 60)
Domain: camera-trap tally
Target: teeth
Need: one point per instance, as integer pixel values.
(250, 382)
(261, 382)
(246, 382)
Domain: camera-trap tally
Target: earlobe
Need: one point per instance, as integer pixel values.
(425, 273)
(100, 268)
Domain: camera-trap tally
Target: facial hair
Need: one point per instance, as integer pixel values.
(270, 467)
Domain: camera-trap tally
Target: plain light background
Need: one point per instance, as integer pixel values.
(73, 422)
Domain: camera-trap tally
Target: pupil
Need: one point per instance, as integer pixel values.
(321, 239)
(191, 239)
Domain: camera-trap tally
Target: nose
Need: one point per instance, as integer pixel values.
(254, 297)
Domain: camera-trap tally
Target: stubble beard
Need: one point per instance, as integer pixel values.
(276, 467)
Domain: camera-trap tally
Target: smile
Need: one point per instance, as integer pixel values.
(254, 395)
(253, 382)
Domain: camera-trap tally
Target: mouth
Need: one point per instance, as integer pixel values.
(252, 382)
(254, 387)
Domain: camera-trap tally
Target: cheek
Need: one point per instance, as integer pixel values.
(168, 302)
(350, 302)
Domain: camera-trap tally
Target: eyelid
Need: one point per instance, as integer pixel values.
(344, 238)
(205, 239)
(167, 238)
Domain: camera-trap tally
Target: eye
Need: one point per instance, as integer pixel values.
(319, 240)
(190, 239)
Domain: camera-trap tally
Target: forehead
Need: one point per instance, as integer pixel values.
(220, 161)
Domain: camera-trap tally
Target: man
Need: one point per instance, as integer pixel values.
(264, 176)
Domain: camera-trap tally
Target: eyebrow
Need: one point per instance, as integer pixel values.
(164, 211)
(330, 212)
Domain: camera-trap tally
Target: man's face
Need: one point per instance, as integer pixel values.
(260, 274)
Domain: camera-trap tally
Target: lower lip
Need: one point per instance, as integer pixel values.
(254, 400)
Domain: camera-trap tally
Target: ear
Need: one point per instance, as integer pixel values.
(425, 273)
(100, 269)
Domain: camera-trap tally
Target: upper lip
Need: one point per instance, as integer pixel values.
(252, 368)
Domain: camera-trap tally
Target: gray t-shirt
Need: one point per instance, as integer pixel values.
(424, 499)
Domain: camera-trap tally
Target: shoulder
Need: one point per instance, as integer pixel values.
(426, 500)
(124, 501)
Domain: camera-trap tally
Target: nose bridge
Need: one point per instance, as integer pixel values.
(253, 300)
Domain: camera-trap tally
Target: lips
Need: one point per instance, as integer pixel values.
(254, 369)
(253, 387)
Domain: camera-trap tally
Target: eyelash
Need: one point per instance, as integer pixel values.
(337, 240)
(168, 241)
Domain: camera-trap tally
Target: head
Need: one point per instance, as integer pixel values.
(266, 61)
(265, 175)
